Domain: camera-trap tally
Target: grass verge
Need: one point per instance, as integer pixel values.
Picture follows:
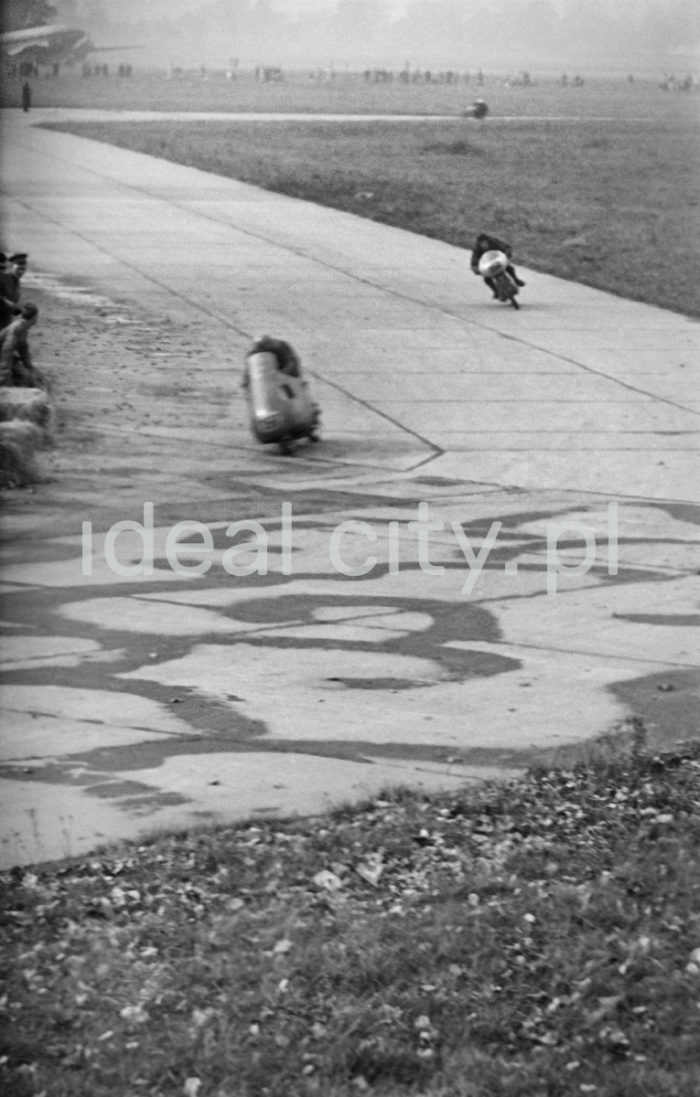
(598, 187)
(593, 202)
(540, 937)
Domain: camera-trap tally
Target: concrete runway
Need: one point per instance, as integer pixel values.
(493, 552)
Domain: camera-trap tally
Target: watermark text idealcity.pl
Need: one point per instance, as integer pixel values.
(252, 544)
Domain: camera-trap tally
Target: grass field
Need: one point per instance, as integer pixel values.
(535, 939)
(349, 92)
(599, 184)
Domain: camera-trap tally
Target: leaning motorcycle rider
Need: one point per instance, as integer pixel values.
(485, 242)
(288, 360)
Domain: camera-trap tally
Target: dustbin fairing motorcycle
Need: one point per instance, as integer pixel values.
(493, 265)
(280, 407)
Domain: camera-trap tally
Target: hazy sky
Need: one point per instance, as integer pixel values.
(392, 7)
(466, 33)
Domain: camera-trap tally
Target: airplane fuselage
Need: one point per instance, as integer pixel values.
(48, 44)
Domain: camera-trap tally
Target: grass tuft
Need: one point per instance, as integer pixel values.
(455, 148)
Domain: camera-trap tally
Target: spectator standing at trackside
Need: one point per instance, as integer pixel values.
(16, 366)
(485, 242)
(26, 95)
(10, 287)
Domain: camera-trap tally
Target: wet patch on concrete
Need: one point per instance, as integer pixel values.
(114, 790)
(151, 805)
(462, 620)
(91, 770)
(224, 727)
(391, 684)
(668, 703)
(680, 512)
(148, 802)
(435, 481)
(677, 620)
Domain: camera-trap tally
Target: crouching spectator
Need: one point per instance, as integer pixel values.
(16, 366)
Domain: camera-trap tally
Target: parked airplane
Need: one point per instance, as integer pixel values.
(52, 44)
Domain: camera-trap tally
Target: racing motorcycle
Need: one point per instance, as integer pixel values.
(493, 265)
(281, 408)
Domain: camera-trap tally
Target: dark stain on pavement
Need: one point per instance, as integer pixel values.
(393, 685)
(678, 511)
(90, 770)
(675, 620)
(222, 727)
(668, 703)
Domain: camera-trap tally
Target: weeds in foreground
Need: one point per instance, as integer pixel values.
(535, 937)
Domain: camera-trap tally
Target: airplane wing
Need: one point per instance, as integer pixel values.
(16, 49)
(52, 43)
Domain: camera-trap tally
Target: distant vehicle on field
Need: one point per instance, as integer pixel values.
(478, 109)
